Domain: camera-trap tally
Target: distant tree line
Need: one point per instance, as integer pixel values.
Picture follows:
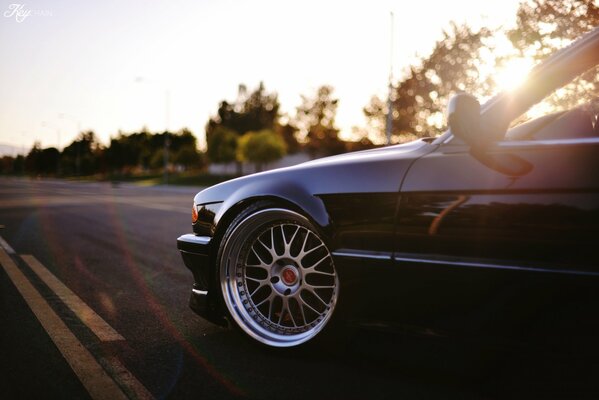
(139, 152)
(248, 129)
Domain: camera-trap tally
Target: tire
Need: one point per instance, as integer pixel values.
(277, 276)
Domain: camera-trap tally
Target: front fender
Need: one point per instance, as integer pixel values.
(292, 192)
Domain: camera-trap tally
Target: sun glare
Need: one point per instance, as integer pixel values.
(513, 73)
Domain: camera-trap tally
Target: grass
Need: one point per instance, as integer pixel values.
(185, 179)
(203, 179)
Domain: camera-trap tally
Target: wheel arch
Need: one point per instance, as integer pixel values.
(290, 195)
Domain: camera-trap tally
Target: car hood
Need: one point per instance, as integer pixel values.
(377, 170)
(364, 155)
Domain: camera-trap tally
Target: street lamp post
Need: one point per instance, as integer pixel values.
(389, 124)
(166, 134)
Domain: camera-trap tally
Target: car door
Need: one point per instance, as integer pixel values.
(504, 241)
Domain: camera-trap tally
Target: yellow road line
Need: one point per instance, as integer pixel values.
(6, 246)
(98, 326)
(93, 377)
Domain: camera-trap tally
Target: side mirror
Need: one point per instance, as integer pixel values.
(463, 117)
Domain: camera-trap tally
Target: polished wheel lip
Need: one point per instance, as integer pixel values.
(244, 311)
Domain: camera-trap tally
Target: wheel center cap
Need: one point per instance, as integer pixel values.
(288, 276)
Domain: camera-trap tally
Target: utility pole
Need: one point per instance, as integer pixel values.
(389, 124)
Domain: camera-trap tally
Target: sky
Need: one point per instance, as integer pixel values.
(113, 66)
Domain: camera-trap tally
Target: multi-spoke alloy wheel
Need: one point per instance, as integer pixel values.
(278, 278)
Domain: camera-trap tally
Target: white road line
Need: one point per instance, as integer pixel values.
(6, 246)
(153, 206)
(93, 377)
(128, 380)
(53, 200)
(98, 326)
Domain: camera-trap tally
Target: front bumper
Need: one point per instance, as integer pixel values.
(195, 251)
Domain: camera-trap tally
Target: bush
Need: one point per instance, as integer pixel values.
(261, 147)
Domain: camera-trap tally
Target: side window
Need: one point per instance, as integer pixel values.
(576, 123)
(570, 112)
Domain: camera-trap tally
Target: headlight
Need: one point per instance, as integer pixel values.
(194, 214)
(203, 218)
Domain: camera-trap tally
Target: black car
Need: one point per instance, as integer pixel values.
(484, 230)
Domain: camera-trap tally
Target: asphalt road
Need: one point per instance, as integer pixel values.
(114, 248)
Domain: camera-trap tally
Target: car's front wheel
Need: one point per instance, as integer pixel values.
(277, 276)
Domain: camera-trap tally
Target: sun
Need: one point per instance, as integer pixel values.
(512, 73)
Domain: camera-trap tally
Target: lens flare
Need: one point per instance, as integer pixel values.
(513, 73)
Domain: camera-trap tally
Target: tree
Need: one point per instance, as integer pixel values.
(32, 160)
(289, 134)
(48, 161)
(261, 147)
(362, 144)
(7, 164)
(156, 160)
(546, 25)
(315, 118)
(144, 149)
(19, 165)
(249, 112)
(183, 147)
(375, 113)
(543, 26)
(258, 110)
(222, 145)
(189, 157)
(420, 97)
(181, 139)
(12, 165)
(82, 156)
(418, 100)
(119, 154)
